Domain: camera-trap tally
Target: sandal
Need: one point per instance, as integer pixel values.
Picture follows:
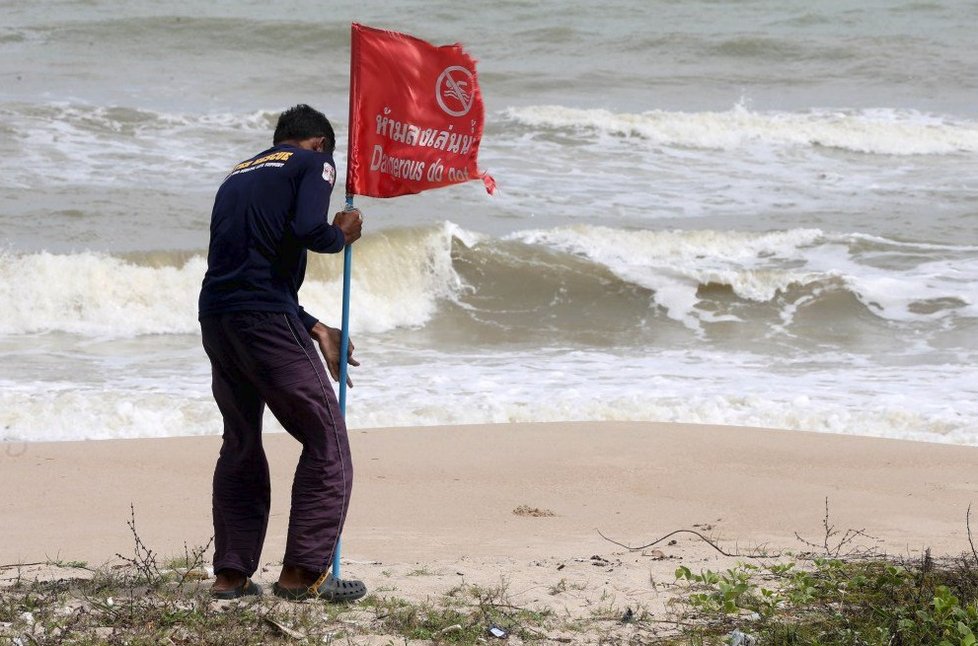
(246, 589)
(331, 590)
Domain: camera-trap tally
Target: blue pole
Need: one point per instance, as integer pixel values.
(344, 350)
(345, 339)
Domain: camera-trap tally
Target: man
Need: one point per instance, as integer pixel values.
(269, 211)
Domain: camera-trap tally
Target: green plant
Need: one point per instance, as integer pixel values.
(723, 592)
(944, 621)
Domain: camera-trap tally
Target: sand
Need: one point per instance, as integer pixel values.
(513, 503)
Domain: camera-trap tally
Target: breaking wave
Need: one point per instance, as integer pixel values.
(400, 277)
(563, 279)
(879, 131)
(71, 143)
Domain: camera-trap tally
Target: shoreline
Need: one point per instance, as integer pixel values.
(443, 493)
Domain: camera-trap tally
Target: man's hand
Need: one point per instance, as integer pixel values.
(350, 222)
(329, 339)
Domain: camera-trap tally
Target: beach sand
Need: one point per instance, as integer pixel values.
(435, 507)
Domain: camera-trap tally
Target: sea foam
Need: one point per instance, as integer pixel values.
(880, 131)
(495, 386)
(66, 143)
(404, 277)
(400, 277)
(759, 267)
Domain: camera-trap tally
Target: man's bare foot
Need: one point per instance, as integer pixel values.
(294, 577)
(227, 580)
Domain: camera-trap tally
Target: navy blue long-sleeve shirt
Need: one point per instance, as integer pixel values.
(267, 213)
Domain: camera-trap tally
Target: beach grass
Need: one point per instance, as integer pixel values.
(836, 601)
(801, 599)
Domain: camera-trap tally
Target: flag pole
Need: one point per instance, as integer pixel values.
(345, 326)
(344, 351)
(347, 263)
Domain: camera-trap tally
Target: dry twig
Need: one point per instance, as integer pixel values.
(686, 531)
(850, 535)
(967, 522)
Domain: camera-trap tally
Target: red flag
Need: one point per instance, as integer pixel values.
(416, 115)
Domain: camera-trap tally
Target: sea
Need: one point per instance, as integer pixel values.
(739, 212)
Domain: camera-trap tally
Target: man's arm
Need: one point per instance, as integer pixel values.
(310, 224)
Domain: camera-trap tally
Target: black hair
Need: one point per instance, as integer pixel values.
(302, 122)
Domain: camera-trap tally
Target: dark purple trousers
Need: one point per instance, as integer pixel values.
(260, 358)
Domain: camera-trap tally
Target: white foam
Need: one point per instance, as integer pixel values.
(880, 131)
(838, 394)
(400, 387)
(121, 389)
(71, 143)
(62, 412)
(902, 295)
(674, 264)
(400, 277)
(761, 266)
(97, 294)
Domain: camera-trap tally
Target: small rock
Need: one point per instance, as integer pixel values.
(738, 638)
(454, 628)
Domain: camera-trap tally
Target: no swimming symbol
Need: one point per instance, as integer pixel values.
(455, 91)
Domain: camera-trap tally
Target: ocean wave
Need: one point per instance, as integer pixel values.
(97, 294)
(198, 34)
(877, 131)
(400, 277)
(74, 143)
(765, 48)
(79, 413)
(766, 267)
(480, 388)
(564, 280)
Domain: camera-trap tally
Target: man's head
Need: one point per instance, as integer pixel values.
(305, 127)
